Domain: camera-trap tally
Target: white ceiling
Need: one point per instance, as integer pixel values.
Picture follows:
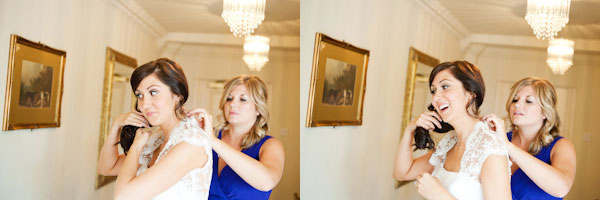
(507, 17)
(282, 17)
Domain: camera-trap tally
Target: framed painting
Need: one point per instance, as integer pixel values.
(34, 85)
(338, 83)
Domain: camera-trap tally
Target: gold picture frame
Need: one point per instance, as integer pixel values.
(34, 85)
(117, 71)
(338, 83)
(418, 70)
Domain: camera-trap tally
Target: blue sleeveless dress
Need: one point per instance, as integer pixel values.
(524, 188)
(229, 185)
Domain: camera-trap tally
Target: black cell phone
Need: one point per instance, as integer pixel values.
(423, 139)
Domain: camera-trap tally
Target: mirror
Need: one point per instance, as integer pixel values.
(117, 97)
(416, 94)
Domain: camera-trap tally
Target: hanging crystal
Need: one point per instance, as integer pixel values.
(243, 16)
(560, 55)
(547, 17)
(256, 52)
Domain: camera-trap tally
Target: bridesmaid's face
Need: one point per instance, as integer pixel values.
(525, 109)
(239, 107)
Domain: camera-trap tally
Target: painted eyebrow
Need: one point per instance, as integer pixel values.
(517, 95)
(433, 84)
(148, 87)
(151, 86)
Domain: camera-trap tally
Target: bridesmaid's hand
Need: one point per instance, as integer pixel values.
(431, 188)
(204, 119)
(496, 124)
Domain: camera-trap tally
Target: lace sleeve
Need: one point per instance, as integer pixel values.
(191, 133)
(442, 148)
(480, 145)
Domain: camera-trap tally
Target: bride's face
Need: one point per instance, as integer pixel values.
(449, 96)
(155, 100)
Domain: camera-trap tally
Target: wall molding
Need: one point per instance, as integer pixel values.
(224, 39)
(524, 42)
(133, 9)
(443, 15)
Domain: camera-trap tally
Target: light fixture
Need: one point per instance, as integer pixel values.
(256, 51)
(560, 55)
(243, 16)
(547, 17)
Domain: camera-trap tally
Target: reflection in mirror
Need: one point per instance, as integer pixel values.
(122, 97)
(117, 97)
(417, 96)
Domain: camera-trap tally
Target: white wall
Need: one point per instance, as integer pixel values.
(509, 64)
(222, 62)
(355, 162)
(60, 163)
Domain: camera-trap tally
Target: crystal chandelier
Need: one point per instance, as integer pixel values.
(547, 17)
(560, 55)
(256, 52)
(243, 16)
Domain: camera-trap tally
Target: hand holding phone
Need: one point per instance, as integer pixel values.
(423, 139)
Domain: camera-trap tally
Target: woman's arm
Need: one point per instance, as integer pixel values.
(109, 161)
(181, 159)
(405, 168)
(495, 178)
(556, 179)
(263, 174)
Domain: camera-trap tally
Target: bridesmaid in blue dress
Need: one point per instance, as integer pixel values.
(247, 163)
(543, 162)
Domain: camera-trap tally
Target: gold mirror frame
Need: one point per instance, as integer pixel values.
(112, 57)
(414, 58)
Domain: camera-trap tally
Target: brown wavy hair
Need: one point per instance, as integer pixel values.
(545, 94)
(470, 77)
(257, 90)
(168, 72)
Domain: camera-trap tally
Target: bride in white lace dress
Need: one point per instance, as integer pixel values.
(468, 163)
(172, 160)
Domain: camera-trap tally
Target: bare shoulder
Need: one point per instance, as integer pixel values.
(564, 143)
(563, 146)
(272, 144)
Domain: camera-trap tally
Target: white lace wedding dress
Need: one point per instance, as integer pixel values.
(196, 183)
(465, 184)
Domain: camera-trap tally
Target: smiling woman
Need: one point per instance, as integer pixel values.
(470, 163)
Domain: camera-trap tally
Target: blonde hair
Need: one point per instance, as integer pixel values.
(257, 91)
(545, 94)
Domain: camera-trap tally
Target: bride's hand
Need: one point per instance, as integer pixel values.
(430, 187)
(141, 137)
(428, 120)
(134, 118)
